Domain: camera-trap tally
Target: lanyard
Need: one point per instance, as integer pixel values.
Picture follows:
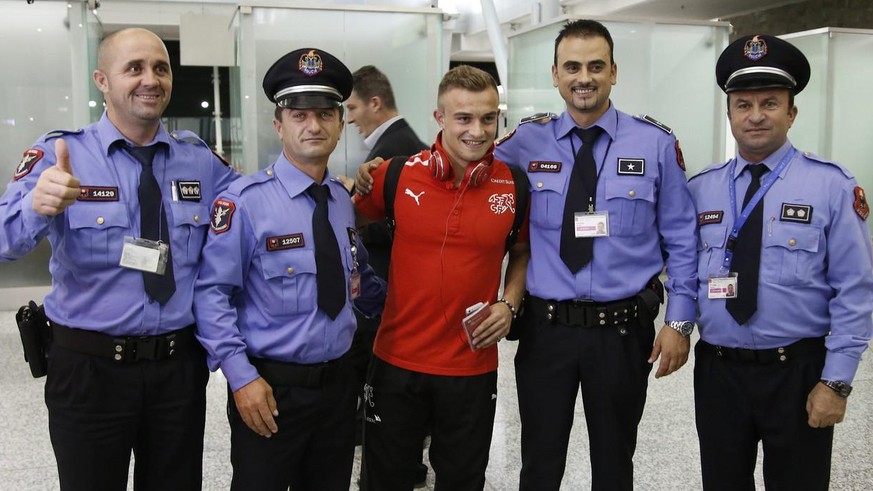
(747, 210)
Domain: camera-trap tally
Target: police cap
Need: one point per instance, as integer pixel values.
(761, 62)
(308, 78)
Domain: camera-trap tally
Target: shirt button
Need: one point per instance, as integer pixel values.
(100, 220)
(792, 242)
(706, 245)
(290, 270)
(196, 218)
(539, 184)
(269, 172)
(632, 193)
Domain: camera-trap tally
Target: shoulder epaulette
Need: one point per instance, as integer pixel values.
(540, 118)
(59, 133)
(709, 169)
(239, 185)
(822, 160)
(652, 121)
(188, 137)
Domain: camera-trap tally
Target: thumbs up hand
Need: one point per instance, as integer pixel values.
(57, 187)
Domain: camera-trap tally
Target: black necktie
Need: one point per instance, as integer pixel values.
(153, 224)
(747, 254)
(328, 265)
(581, 195)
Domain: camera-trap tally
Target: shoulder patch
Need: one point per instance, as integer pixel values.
(680, 159)
(29, 159)
(221, 216)
(59, 133)
(541, 118)
(862, 208)
(652, 121)
(505, 137)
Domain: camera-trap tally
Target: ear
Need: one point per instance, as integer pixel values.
(614, 73)
(439, 117)
(376, 103)
(100, 80)
(792, 114)
(554, 76)
(277, 125)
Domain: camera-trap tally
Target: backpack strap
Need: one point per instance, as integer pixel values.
(522, 198)
(389, 190)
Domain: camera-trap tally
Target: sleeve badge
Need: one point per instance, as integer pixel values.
(28, 160)
(862, 208)
(222, 213)
(680, 159)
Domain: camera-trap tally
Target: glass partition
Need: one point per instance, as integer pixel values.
(404, 45)
(664, 70)
(833, 118)
(42, 93)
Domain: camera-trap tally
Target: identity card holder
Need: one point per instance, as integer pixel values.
(722, 286)
(591, 224)
(144, 255)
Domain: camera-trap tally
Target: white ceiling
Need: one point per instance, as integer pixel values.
(687, 9)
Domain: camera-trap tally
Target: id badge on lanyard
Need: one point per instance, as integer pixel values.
(724, 283)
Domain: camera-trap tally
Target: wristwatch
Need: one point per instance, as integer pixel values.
(841, 388)
(684, 328)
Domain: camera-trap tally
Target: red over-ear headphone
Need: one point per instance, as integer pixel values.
(441, 167)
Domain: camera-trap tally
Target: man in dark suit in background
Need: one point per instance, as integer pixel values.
(372, 109)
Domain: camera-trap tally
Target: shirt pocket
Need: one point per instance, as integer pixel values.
(792, 254)
(189, 232)
(96, 233)
(631, 205)
(547, 201)
(710, 250)
(290, 278)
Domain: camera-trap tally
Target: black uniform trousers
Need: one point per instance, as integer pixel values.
(314, 448)
(99, 410)
(738, 404)
(610, 365)
(402, 405)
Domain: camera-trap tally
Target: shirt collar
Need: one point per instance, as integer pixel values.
(772, 160)
(371, 140)
(109, 135)
(294, 180)
(608, 121)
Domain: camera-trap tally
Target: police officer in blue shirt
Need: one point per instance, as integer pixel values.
(594, 266)
(786, 289)
(125, 207)
(282, 265)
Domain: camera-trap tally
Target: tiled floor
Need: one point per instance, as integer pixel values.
(666, 457)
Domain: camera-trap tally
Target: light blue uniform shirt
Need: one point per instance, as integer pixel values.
(640, 185)
(89, 289)
(256, 295)
(816, 276)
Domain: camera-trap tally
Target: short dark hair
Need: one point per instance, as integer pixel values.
(370, 82)
(584, 28)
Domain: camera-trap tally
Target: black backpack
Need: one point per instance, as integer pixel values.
(519, 177)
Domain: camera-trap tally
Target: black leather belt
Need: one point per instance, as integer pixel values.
(126, 349)
(783, 354)
(285, 374)
(584, 313)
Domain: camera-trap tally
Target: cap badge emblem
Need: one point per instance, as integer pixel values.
(310, 63)
(755, 49)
